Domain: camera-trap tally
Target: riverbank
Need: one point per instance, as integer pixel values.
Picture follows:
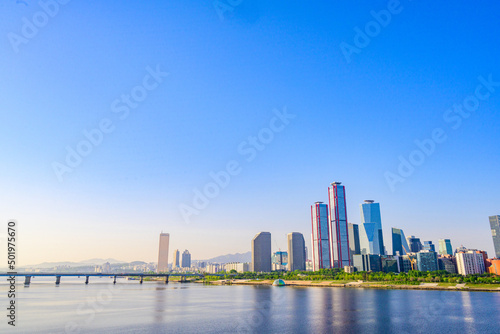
(365, 285)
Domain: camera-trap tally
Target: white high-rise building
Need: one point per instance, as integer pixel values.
(163, 252)
(470, 262)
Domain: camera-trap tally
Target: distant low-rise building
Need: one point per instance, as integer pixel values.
(367, 262)
(427, 261)
(238, 266)
(448, 264)
(494, 266)
(390, 264)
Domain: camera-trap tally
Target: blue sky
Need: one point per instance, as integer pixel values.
(228, 73)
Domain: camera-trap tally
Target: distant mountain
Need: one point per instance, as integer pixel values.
(90, 262)
(238, 257)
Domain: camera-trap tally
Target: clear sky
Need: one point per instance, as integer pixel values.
(354, 91)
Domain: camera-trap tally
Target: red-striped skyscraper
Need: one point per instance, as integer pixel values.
(320, 236)
(339, 232)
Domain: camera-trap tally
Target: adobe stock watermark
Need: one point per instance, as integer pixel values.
(248, 150)
(454, 117)
(95, 136)
(372, 29)
(31, 27)
(91, 307)
(223, 6)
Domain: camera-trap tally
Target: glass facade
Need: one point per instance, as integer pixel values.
(428, 245)
(339, 234)
(445, 247)
(320, 236)
(495, 233)
(399, 243)
(354, 239)
(367, 262)
(427, 261)
(415, 244)
(370, 236)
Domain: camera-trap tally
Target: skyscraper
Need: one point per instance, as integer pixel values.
(370, 235)
(445, 247)
(399, 243)
(339, 234)
(186, 259)
(414, 243)
(354, 239)
(175, 264)
(320, 236)
(296, 251)
(261, 252)
(495, 233)
(163, 252)
(428, 245)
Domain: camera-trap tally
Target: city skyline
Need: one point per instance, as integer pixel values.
(105, 127)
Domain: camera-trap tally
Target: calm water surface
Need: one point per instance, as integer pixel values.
(129, 307)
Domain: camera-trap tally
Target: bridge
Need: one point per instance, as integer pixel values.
(28, 276)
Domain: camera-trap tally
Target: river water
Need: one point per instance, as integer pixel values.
(153, 307)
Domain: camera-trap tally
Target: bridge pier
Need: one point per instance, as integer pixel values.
(27, 280)
(114, 280)
(87, 279)
(166, 279)
(58, 280)
(141, 279)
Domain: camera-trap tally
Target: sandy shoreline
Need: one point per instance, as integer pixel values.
(359, 285)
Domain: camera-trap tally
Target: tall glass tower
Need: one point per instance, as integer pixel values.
(370, 234)
(445, 247)
(495, 233)
(320, 236)
(339, 235)
(399, 243)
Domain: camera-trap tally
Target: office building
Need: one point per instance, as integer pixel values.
(320, 236)
(176, 263)
(370, 234)
(399, 244)
(445, 247)
(448, 264)
(390, 264)
(470, 262)
(354, 239)
(163, 252)
(495, 233)
(428, 245)
(279, 261)
(296, 251)
(367, 262)
(339, 234)
(404, 263)
(186, 259)
(427, 261)
(261, 252)
(414, 244)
